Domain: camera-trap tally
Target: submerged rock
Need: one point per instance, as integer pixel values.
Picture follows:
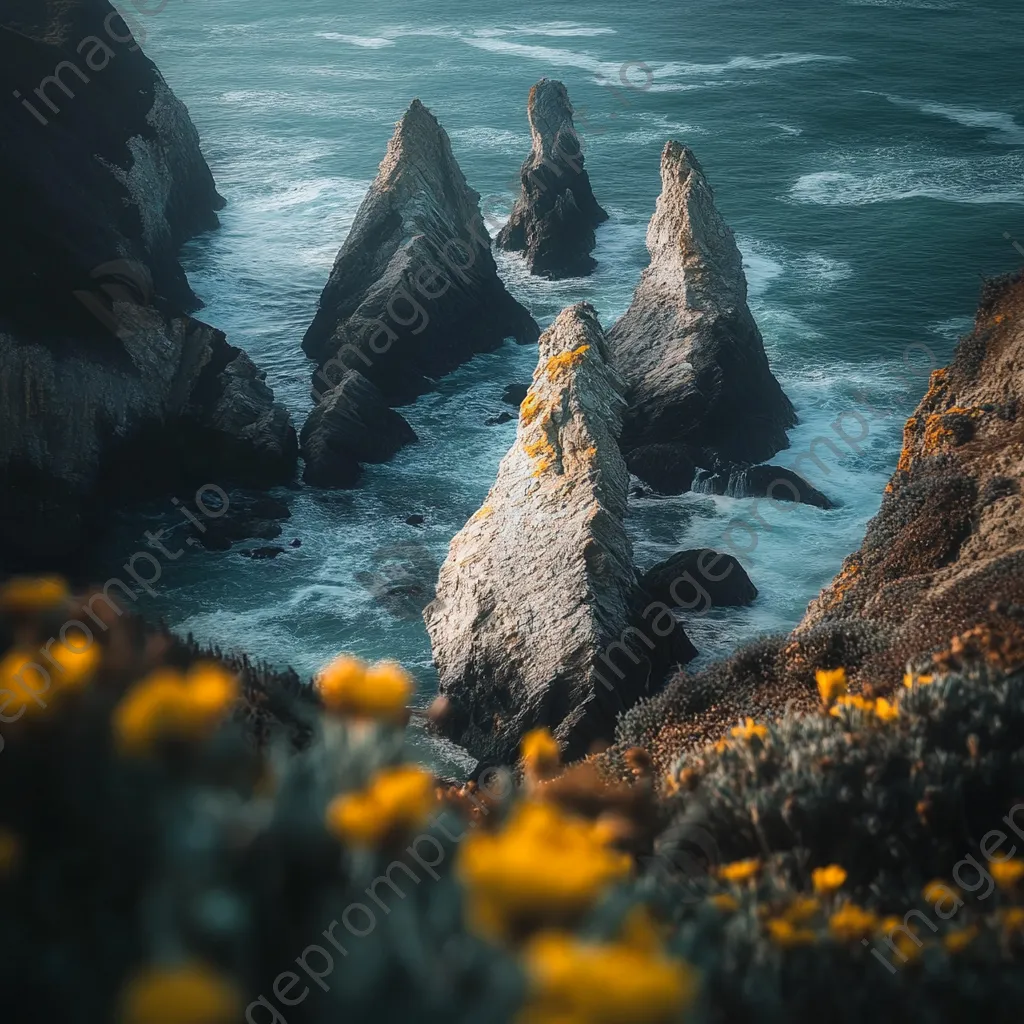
(772, 482)
(554, 217)
(688, 348)
(414, 292)
(352, 424)
(111, 390)
(698, 580)
(539, 618)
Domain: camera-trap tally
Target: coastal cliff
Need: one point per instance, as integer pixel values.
(554, 218)
(109, 387)
(699, 388)
(538, 604)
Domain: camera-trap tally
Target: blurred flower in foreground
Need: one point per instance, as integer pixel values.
(574, 982)
(539, 750)
(190, 994)
(852, 922)
(740, 870)
(545, 866)
(33, 594)
(397, 801)
(35, 687)
(828, 879)
(831, 684)
(349, 686)
(1007, 873)
(10, 852)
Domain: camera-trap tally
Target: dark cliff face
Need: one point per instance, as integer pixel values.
(554, 217)
(109, 387)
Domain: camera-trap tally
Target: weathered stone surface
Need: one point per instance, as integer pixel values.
(688, 348)
(553, 219)
(352, 424)
(106, 388)
(774, 482)
(538, 604)
(414, 292)
(699, 579)
(667, 468)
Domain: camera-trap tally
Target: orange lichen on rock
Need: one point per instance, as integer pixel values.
(558, 365)
(530, 407)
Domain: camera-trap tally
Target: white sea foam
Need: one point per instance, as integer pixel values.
(367, 42)
(1003, 126)
(556, 29)
(501, 140)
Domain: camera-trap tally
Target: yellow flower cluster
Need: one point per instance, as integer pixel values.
(1007, 873)
(33, 594)
(851, 922)
(749, 730)
(959, 939)
(879, 708)
(348, 686)
(788, 934)
(831, 684)
(912, 679)
(543, 867)
(828, 879)
(574, 982)
(396, 802)
(20, 674)
(190, 994)
(740, 870)
(170, 705)
(539, 751)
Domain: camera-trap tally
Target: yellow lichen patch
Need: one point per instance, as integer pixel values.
(828, 879)
(558, 365)
(348, 686)
(169, 705)
(1007, 873)
(483, 512)
(33, 594)
(740, 870)
(749, 730)
(787, 935)
(396, 802)
(190, 994)
(530, 407)
(851, 922)
(574, 982)
(543, 867)
(936, 434)
(906, 455)
(831, 684)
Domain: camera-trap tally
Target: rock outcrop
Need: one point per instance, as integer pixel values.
(352, 424)
(688, 348)
(107, 386)
(539, 619)
(554, 218)
(699, 579)
(414, 292)
(774, 482)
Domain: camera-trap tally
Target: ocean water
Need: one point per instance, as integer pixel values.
(869, 155)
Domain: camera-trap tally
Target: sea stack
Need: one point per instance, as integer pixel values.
(539, 619)
(554, 218)
(698, 385)
(109, 387)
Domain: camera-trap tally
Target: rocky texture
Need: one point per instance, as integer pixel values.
(352, 424)
(553, 219)
(698, 580)
(772, 482)
(538, 604)
(107, 387)
(414, 291)
(938, 581)
(696, 373)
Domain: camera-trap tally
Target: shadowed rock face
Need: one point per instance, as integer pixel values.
(699, 579)
(774, 482)
(531, 624)
(414, 292)
(108, 388)
(688, 349)
(554, 217)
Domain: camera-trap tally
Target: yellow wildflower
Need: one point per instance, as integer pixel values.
(1007, 873)
(1012, 919)
(831, 684)
(36, 683)
(847, 701)
(190, 994)
(852, 922)
(611, 983)
(912, 679)
(397, 800)
(10, 852)
(902, 935)
(828, 879)
(957, 941)
(539, 750)
(802, 909)
(349, 687)
(937, 891)
(721, 746)
(724, 903)
(33, 594)
(886, 711)
(740, 870)
(787, 935)
(749, 730)
(543, 866)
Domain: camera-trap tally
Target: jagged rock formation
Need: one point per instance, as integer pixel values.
(553, 219)
(696, 580)
(414, 291)
(352, 424)
(107, 386)
(774, 482)
(696, 373)
(943, 559)
(538, 618)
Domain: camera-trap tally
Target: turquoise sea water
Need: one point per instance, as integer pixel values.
(869, 155)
